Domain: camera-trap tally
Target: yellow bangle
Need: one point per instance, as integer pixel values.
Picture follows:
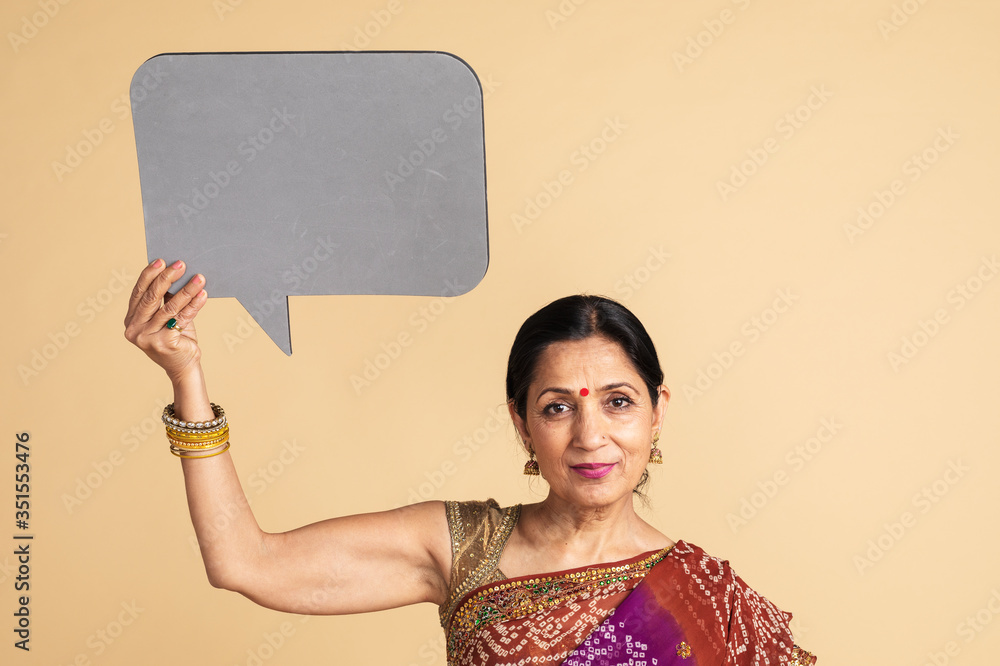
(186, 436)
(190, 446)
(222, 449)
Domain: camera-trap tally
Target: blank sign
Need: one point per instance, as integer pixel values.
(283, 174)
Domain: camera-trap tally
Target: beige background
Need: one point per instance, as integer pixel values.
(885, 80)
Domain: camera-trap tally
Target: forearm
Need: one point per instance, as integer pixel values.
(227, 531)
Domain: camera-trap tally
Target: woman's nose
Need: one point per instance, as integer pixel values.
(590, 428)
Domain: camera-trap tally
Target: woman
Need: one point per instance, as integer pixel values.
(578, 578)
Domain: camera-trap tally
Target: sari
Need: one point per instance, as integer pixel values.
(678, 606)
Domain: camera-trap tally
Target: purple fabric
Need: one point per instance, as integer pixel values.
(639, 633)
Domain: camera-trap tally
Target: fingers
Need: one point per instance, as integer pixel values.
(186, 308)
(145, 277)
(148, 312)
(153, 282)
(175, 303)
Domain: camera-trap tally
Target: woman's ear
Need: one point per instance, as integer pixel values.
(519, 424)
(663, 398)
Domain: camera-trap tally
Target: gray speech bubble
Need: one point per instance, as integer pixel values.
(279, 174)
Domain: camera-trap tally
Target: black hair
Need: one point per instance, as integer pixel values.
(577, 318)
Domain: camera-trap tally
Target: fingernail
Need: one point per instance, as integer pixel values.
(177, 264)
(157, 264)
(198, 279)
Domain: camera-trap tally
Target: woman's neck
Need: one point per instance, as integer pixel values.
(554, 535)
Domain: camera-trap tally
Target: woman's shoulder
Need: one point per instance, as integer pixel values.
(709, 569)
(754, 621)
(479, 530)
(475, 519)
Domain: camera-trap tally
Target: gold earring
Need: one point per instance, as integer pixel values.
(655, 456)
(531, 467)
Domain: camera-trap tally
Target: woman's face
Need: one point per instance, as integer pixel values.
(590, 419)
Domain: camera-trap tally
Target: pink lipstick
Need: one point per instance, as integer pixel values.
(593, 470)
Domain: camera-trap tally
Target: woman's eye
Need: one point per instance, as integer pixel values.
(620, 402)
(555, 408)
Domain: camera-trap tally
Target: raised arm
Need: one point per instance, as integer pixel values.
(351, 564)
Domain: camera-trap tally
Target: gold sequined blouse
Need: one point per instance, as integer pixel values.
(479, 532)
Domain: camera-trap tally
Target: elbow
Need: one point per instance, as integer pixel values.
(222, 580)
(226, 577)
(228, 568)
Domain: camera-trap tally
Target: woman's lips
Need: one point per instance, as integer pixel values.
(593, 470)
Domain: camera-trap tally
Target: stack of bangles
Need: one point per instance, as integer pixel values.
(196, 440)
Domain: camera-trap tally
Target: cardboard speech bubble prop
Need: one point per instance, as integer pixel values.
(281, 174)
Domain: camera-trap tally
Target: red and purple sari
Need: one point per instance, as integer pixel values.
(674, 606)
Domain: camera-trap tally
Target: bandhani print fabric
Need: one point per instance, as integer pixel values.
(678, 606)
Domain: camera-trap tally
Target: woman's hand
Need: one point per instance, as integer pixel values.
(150, 308)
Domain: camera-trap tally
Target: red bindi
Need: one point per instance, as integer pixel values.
(584, 392)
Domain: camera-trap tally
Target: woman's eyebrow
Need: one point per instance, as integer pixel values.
(554, 389)
(612, 387)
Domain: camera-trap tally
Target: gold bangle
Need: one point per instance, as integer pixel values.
(196, 439)
(183, 450)
(183, 436)
(196, 433)
(191, 446)
(222, 449)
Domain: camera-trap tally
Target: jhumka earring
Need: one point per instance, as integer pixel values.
(531, 467)
(655, 456)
